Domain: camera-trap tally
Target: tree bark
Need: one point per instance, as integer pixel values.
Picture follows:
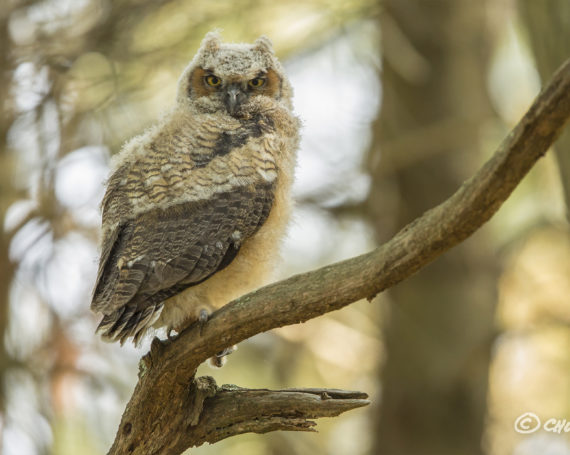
(167, 401)
(548, 27)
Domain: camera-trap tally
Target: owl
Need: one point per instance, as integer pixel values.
(195, 208)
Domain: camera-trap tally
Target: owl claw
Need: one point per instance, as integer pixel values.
(171, 334)
(203, 317)
(227, 351)
(219, 359)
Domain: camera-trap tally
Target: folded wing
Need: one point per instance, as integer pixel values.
(162, 252)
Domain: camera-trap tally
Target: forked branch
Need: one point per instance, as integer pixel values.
(169, 411)
(233, 410)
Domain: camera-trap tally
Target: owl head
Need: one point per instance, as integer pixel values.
(231, 77)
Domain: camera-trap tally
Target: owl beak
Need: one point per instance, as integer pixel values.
(233, 98)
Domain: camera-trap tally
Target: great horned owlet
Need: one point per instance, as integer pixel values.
(196, 206)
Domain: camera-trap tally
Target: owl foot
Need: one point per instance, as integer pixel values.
(227, 351)
(219, 359)
(171, 334)
(203, 317)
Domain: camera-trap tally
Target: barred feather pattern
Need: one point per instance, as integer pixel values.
(187, 244)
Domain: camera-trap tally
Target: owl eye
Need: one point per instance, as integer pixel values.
(213, 81)
(256, 82)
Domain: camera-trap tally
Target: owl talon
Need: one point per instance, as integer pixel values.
(227, 351)
(171, 334)
(203, 316)
(219, 359)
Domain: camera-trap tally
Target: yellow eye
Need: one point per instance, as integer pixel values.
(213, 81)
(257, 82)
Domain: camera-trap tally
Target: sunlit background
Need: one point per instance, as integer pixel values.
(401, 100)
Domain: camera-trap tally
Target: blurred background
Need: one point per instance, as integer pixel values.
(401, 100)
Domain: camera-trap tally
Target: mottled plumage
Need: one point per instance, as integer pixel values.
(196, 206)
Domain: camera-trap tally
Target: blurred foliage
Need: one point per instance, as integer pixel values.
(79, 77)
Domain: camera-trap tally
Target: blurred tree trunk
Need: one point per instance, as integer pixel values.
(548, 27)
(426, 142)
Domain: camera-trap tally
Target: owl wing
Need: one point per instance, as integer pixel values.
(161, 252)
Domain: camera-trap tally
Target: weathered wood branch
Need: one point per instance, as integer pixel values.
(234, 410)
(167, 402)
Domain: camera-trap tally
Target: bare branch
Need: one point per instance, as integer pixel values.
(234, 410)
(165, 401)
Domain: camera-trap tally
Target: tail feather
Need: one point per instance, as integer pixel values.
(126, 322)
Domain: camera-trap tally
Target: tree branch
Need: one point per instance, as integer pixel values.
(233, 410)
(167, 401)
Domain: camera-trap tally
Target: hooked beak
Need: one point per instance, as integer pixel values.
(233, 98)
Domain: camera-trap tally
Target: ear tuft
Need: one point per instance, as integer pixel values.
(263, 43)
(212, 41)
